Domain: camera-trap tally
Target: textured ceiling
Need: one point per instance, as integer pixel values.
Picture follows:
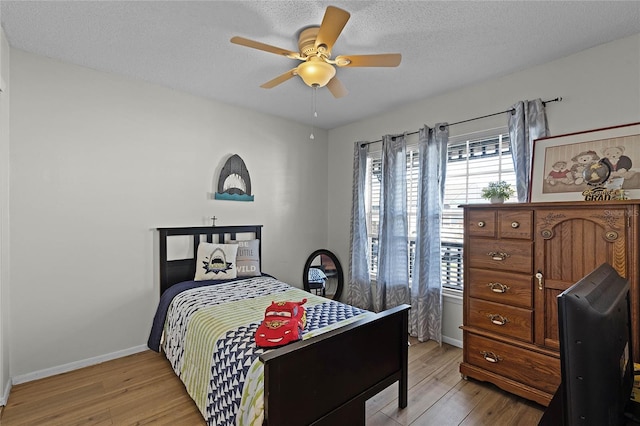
(185, 45)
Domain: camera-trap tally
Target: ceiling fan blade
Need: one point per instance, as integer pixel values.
(381, 60)
(332, 24)
(336, 88)
(266, 47)
(279, 79)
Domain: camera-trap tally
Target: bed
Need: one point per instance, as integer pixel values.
(314, 381)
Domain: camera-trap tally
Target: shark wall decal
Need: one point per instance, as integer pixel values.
(234, 182)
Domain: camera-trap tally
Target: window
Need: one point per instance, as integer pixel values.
(472, 162)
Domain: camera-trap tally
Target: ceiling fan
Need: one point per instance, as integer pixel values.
(315, 44)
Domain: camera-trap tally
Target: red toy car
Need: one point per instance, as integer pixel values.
(283, 323)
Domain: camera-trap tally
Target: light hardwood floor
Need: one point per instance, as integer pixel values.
(142, 389)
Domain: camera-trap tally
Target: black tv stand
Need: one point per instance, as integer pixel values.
(554, 416)
(632, 413)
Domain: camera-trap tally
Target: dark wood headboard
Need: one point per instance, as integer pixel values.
(175, 271)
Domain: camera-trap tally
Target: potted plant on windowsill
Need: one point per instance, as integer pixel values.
(498, 191)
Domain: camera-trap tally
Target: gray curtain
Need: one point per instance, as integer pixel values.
(425, 317)
(359, 291)
(392, 285)
(526, 124)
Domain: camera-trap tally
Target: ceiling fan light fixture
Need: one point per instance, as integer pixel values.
(315, 72)
(315, 43)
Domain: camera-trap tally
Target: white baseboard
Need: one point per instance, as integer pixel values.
(4, 397)
(451, 341)
(41, 374)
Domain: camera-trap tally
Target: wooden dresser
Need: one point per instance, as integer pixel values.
(517, 259)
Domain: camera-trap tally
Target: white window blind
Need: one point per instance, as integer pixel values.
(472, 162)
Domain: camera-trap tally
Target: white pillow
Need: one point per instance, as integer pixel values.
(216, 261)
(248, 258)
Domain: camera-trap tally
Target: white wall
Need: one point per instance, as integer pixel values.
(4, 219)
(600, 87)
(98, 161)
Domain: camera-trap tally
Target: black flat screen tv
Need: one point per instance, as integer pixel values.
(595, 349)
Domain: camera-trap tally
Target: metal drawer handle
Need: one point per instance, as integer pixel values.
(498, 287)
(540, 278)
(490, 356)
(481, 224)
(515, 225)
(497, 319)
(498, 256)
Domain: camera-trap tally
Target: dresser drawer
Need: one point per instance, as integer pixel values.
(504, 255)
(525, 366)
(502, 319)
(502, 287)
(515, 224)
(481, 223)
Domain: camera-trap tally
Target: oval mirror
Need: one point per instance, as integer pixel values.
(322, 275)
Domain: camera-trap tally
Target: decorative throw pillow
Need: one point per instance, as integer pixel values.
(216, 261)
(248, 258)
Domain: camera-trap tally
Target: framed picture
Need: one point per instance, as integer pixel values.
(559, 163)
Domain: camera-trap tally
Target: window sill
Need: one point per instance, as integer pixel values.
(452, 294)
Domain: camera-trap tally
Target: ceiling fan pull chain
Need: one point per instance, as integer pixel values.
(315, 112)
(315, 104)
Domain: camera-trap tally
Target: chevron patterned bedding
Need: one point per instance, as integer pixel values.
(209, 341)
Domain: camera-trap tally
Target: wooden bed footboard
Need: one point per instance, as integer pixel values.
(327, 380)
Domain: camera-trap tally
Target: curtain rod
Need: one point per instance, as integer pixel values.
(511, 110)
